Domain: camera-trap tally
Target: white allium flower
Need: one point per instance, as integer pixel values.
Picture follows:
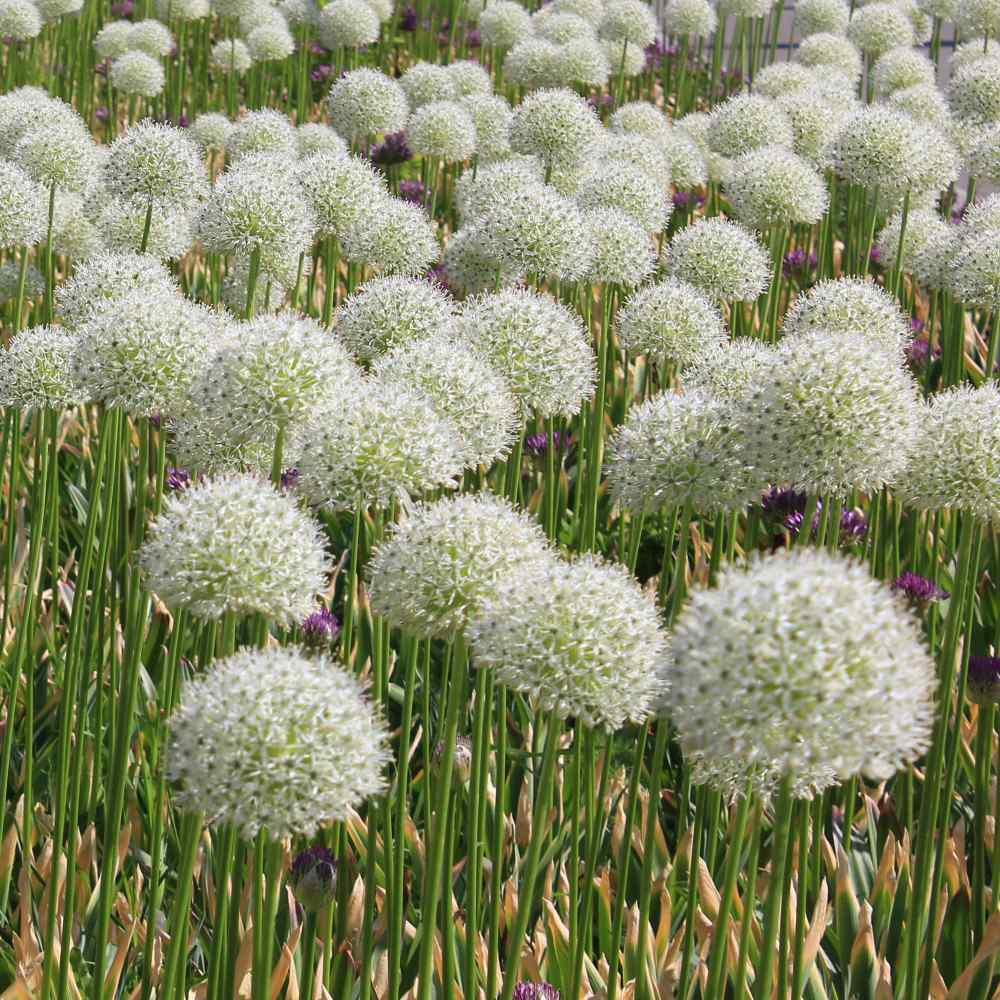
(814, 16)
(230, 56)
(557, 125)
(260, 12)
(388, 444)
(383, 9)
(460, 387)
(20, 20)
(983, 214)
(534, 64)
(624, 254)
(268, 294)
(211, 131)
(782, 78)
(274, 373)
(52, 10)
(366, 102)
(944, 9)
(478, 191)
(901, 67)
(136, 73)
(339, 189)
(491, 115)
(74, 233)
(745, 8)
(629, 60)
(879, 27)
(182, 10)
(470, 78)
(641, 117)
(648, 155)
(299, 12)
(973, 270)
(833, 415)
(561, 27)
(972, 51)
(107, 278)
(395, 237)
(21, 108)
(112, 40)
(721, 258)
(746, 122)
(469, 265)
(153, 161)
(442, 130)
(978, 17)
(10, 274)
(36, 370)
(774, 187)
(23, 208)
(389, 312)
(538, 344)
(922, 239)
(983, 156)
(803, 668)
(816, 123)
(589, 10)
(347, 24)
(274, 740)
(729, 370)
(254, 210)
(314, 137)
(266, 131)
(956, 463)
(688, 162)
(59, 152)
(671, 320)
(144, 354)
(152, 37)
(270, 42)
(122, 223)
(426, 82)
(629, 189)
(850, 306)
(503, 23)
(233, 8)
(924, 103)
(583, 61)
(628, 22)
(446, 558)
(690, 17)
(974, 92)
(577, 638)
(825, 49)
(678, 449)
(540, 232)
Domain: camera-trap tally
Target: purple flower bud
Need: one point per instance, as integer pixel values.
(177, 479)
(313, 878)
(183, 121)
(535, 991)
(473, 38)
(102, 114)
(412, 191)
(393, 149)
(853, 526)
(320, 629)
(408, 19)
(320, 72)
(319, 50)
(918, 588)
(984, 680)
(875, 255)
(538, 444)
(290, 478)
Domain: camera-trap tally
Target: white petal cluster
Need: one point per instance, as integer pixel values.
(814, 16)
(366, 102)
(900, 68)
(397, 237)
(20, 20)
(978, 17)
(534, 64)
(122, 223)
(154, 161)
(470, 78)
(827, 49)
(580, 639)
(491, 115)
(347, 24)
(274, 740)
(442, 130)
(152, 37)
(671, 320)
(112, 40)
(879, 27)
(23, 208)
(924, 103)
(974, 93)
(803, 668)
(339, 189)
(973, 268)
(266, 131)
(270, 42)
(924, 238)
(678, 449)
(640, 117)
(538, 344)
(731, 369)
(624, 253)
(504, 182)
(36, 370)
(629, 189)
(696, 18)
(211, 131)
(503, 23)
(461, 387)
(772, 186)
(388, 445)
(816, 123)
(424, 83)
(470, 266)
(721, 258)
(136, 73)
(230, 56)
(10, 276)
(58, 152)
(746, 122)
(315, 137)
(832, 415)
(957, 462)
(441, 563)
(557, 125)
(628, 22)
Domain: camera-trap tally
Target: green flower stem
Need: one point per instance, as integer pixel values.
(691, 902)
(497, 841)
(749, 907)
(173, 981)
(252, 276)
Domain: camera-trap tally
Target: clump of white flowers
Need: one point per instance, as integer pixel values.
(557, 125)
(339, 189)
(425, 83)
(23, 208)
(503, 23)
(347, 24)
(274, 740)
(720, 258)
(36, 370)
(799, 669)
(813, 16)
(137, 73)
(365, 102)
(624, 253)
(774, 187)
(745, 122)
(629, 189)
(397, 237)
(442, 130)
(235, 545)
(879, 27)
(230, 56)
(151, 160)
(266, 131)
(830, 50)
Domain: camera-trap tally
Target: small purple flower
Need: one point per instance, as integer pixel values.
(655, 54)
(535, 991)
(853, 526)
(473, 39)
(183, 121)
(918, 588)
(984, 679)
(320, 629)
(408, 19)
(412, 191)
(875, 255)
(314, 877)
(438, 276)
(319, 50)
(918, 352)
(798, 262)
(290, 478)
(177, 479)
(779, 503)
(320, 72)
(538, 444)
(123, 9)
(102, 114)
(917, 325)
(393, 149)
(599, 101)
(101, 69)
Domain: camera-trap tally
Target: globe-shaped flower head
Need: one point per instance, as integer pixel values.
(58, 152)
(366, 102)
(230, 56)
(624, 253)
(974, 93)
(629, 189)
(19, 20)
(978, 17)
(442, 130)
(721, 258)
(503, 23)
(579, 639)
(394, 237)
(774, 187)
(446, 558)
(491, 115)
(112, 40)
(826, 49)
(137, 74)
(270, 42)
(152, 37)
(23, 208)
(746, 122)
(339, 189)
(690, 17)
(879, 27)
(36, 370)
(211, 131)
(628, 23)
(899, 68)
(556, 125)
(347, 24)
(813, 16)
(973, 270)
(767, 685)
(426, 82)
(272, 739)
(315, 137)
(153, 161)
(266, 131)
